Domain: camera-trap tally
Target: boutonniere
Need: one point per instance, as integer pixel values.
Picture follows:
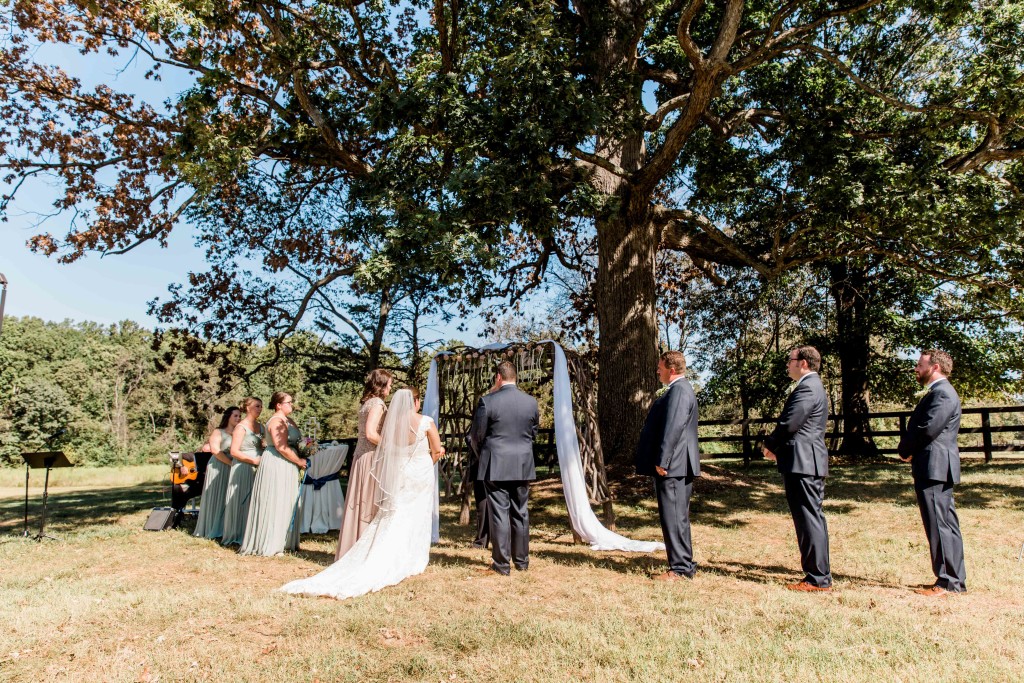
(661, 391)
(791, 387)
(922, 393)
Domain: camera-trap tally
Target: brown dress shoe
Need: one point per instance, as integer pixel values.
(669, 576)
(932, 592)
(805, 587)
(491, 570)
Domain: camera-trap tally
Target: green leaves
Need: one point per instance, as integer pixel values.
(125, 395)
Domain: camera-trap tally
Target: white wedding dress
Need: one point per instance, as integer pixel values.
(396, 545)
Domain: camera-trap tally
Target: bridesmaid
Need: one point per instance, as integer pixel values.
(360, 499)
(246, 449)
(272, 525)
(211, 508)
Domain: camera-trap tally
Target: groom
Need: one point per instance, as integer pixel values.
(668, 451)
(504, 426)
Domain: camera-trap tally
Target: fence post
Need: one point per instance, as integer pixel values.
(835, 435)
(986, 434)
(746, 442)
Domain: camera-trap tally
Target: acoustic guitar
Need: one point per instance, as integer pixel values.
(187, 464)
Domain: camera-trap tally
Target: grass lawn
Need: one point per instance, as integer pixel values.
(111, 602)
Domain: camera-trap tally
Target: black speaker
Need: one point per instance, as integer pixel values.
(160, 519)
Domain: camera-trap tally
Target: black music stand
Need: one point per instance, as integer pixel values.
(49, 460)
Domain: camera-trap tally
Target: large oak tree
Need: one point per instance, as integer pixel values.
(635, 117)
(474, 139)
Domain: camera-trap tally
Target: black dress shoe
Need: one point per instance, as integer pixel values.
(523, 568)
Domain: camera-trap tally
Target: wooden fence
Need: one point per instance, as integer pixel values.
(894, 423)
(976, 434)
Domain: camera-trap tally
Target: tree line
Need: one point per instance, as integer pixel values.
(350, 167)
(122, 394)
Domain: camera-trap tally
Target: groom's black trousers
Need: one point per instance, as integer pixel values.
(510, 523)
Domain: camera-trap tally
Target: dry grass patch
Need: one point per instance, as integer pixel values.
(110, 602)
(67, 477)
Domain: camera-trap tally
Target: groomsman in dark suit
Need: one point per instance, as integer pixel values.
(668, 452)
(929, 445)
(797, 445)
(504, 427)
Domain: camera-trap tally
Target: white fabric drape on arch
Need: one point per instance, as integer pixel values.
(570, 464)
(431, 407)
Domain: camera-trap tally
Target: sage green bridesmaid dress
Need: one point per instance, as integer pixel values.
(211, 506)
(240, 481)
(274, 516)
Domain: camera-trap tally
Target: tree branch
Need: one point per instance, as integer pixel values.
(314, 287)
(329, 305)
(666, 77)
(155, 232)
(669, 106)
(348, 161)
(690, 48)
(707, 75)
(834, 60)
(597, 160)
(697, 235)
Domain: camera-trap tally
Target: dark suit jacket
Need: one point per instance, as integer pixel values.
(931, 435)
(504, 426)
(669, 436)
(798, 440)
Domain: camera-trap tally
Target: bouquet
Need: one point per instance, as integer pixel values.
(307, 447)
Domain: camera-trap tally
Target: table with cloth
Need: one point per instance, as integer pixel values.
(323, 501)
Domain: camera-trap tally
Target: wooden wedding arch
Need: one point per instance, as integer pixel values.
(465, 374)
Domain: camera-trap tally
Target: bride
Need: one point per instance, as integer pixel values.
(396, 545)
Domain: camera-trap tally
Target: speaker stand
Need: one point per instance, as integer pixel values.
(25, 532)
(42, 522)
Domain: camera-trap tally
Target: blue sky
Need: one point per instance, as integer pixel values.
(103, 290)
(113, 288)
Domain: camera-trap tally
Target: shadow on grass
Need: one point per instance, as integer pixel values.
(721, 499)
(894, 484)
(323, 558)
(445, 556)
(71, 510)
(876, 482)
(654, 563)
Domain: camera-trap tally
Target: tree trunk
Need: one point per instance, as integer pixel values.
(625, 293)
(384, 310)
(849, 285)
(414, 362)
(625, 298)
